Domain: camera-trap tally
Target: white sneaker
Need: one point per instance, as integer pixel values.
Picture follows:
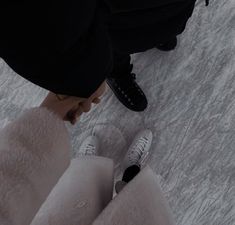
(89, 146)
(139, 150)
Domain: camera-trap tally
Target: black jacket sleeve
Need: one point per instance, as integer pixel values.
(62, 46)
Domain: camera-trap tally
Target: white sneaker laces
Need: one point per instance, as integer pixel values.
(90, 149)
(139, 154)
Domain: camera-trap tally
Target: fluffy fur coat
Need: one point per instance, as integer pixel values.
(39, 184)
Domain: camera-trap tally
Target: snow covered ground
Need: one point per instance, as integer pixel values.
(191, 93)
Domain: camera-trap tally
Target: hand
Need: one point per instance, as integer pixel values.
(63, 108)
(69, 108)
(81, 108)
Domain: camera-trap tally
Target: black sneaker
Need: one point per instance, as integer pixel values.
(167, 46)
(128, 92)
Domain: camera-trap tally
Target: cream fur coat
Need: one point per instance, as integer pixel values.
(40, 185)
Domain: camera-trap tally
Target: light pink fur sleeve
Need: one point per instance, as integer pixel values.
(34, 153)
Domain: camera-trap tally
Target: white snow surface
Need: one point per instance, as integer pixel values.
(191, 94)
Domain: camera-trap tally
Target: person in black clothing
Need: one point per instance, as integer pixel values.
(140, 30)
(71, 47)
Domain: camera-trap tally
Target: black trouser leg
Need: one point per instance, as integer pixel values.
(130, 173)
(121, 65)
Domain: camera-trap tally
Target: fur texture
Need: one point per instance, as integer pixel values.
(34, 153)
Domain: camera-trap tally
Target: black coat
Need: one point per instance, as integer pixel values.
(67, 46)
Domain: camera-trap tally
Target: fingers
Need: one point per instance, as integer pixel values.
(77, 115)
(96, 101)
(82, 107)
(71, 117)
(86, 105)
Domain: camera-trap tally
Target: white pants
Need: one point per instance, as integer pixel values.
(81, 194)
(85, 190)
(40, 185)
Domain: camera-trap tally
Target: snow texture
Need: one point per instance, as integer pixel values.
(191, 94)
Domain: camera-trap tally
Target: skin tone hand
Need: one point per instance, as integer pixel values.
(71, 107)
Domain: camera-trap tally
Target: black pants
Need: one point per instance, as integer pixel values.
(133, 37)
(121, 65)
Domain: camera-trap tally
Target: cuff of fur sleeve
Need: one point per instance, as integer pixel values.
(41, 129)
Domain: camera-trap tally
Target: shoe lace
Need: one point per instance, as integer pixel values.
(138, 153)
(90, 149)
(130, 89)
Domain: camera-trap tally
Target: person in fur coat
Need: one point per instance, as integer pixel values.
(39, 184)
